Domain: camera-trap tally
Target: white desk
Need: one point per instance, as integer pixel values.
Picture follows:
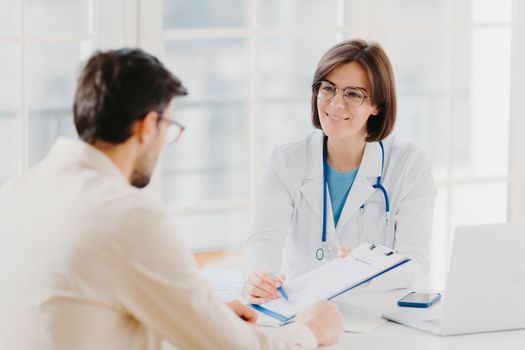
(392, 336)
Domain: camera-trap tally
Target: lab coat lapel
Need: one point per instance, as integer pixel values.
(331, 233)
(312, 179)
(362, 187)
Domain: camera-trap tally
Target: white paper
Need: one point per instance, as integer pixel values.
(227, 283)
(335, 277)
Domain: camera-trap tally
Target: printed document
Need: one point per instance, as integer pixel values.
(361, 265)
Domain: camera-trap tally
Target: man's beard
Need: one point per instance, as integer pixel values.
(141, 175)
(140, 179)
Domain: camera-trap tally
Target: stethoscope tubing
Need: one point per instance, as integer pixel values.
(378, 185)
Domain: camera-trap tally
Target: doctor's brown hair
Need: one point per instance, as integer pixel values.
(376, 64)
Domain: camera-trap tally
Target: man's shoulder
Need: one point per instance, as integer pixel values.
(129, 204)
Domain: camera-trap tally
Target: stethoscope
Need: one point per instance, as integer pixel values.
(326, 249)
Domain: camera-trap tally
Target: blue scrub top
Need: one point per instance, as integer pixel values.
(339, 185)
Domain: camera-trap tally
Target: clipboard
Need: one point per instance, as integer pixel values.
(328, 281)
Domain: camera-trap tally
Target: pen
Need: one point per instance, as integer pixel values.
(283, 293)
(280, 289)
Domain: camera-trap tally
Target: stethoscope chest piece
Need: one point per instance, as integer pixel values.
(324, 252)
(319, 254)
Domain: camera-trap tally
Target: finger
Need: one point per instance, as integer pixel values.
(281, 279)
(249, 315)
(256, 300)
(276, 296)
(256, 291)
(264, 284)
(342, 252)
(243, 311)
(260, 293)
(256, 281)
(260, 284)
(267, 278)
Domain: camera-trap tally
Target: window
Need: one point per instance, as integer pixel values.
(249, 64)
(452, 63)
(41, 48)
(42, 43)
(245, 98)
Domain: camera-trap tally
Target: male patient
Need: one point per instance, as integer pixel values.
(88, 261)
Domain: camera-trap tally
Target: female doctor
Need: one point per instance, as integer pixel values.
(347, 183)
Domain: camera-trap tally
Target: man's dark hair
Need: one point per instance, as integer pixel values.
(117, 88)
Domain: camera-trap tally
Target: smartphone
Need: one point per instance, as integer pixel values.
(420, 300)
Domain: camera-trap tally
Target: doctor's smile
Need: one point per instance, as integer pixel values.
(337, 118)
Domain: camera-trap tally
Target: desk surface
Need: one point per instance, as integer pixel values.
(393, 336)
(371, 305)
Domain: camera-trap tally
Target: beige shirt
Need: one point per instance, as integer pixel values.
(89, 262)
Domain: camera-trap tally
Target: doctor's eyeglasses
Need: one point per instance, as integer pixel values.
(174, 131)
(353, 96)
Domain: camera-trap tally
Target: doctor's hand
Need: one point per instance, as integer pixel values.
(342, 252)
(261, 286)
(324, 320)
(247, 314)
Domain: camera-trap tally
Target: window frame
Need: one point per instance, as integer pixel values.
(118, 23)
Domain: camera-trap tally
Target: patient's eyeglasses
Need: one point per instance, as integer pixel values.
(175, 130)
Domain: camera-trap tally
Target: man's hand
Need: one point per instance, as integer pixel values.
(324, 320)
(247, 314)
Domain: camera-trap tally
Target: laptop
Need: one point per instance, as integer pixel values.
(486, 284)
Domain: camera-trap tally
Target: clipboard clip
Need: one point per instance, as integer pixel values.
(390, 252)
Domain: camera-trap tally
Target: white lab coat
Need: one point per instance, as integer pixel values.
(289, 209)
